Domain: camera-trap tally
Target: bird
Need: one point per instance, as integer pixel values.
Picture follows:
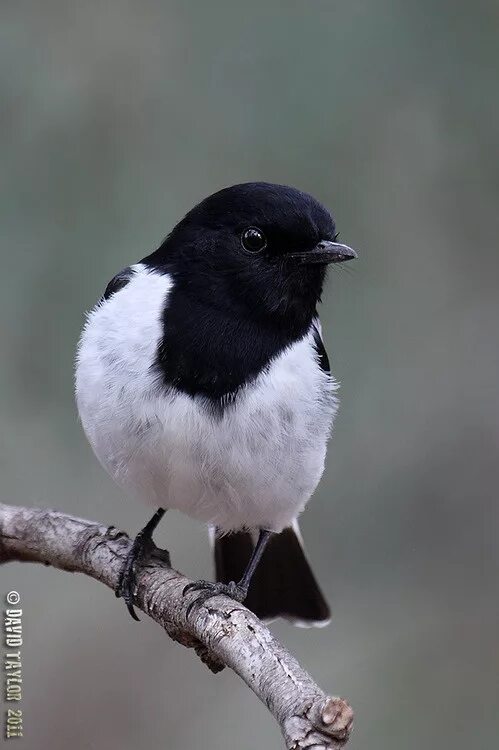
(203, 385)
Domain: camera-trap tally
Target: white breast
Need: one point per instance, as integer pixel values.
(256, 465)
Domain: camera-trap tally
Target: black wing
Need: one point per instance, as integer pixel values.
(321, 351)
(118, 282)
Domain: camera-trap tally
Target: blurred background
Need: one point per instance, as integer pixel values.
(116, 118)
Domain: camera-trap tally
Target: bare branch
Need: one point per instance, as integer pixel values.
(223, 633)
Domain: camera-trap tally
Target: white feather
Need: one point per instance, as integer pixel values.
(255, 466)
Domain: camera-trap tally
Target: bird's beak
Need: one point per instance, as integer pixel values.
(326, 252)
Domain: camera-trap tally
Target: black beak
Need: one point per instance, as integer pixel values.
(326, 252)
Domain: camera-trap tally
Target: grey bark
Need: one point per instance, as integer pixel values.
(222, 632)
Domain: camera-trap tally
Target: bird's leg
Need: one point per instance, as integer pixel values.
(237, 591)
(142, 547)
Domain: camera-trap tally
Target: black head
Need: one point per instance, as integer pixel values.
(255, 248)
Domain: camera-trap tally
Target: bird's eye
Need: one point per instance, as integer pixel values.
(253, 240)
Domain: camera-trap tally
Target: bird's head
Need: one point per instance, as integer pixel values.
(255, 247)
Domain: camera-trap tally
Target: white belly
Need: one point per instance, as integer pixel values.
(254, 465)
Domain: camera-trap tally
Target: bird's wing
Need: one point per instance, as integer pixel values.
(118, 282)
(319, 346)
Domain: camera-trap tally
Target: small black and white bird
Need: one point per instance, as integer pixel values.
(203, 385)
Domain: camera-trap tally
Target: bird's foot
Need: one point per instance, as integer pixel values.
(143, 548)
(208, 589)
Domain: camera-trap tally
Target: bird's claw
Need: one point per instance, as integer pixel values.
(208, 589)
(126, 583)
(141, 549)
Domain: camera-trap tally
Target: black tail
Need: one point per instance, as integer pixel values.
(283, 584)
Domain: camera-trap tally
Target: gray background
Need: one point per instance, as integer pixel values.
(116, 118)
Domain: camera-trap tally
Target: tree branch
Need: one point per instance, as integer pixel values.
(223, 633)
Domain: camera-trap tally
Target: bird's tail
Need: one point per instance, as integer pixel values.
(283, 584)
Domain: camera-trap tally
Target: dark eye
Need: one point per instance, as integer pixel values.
(253, 240)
